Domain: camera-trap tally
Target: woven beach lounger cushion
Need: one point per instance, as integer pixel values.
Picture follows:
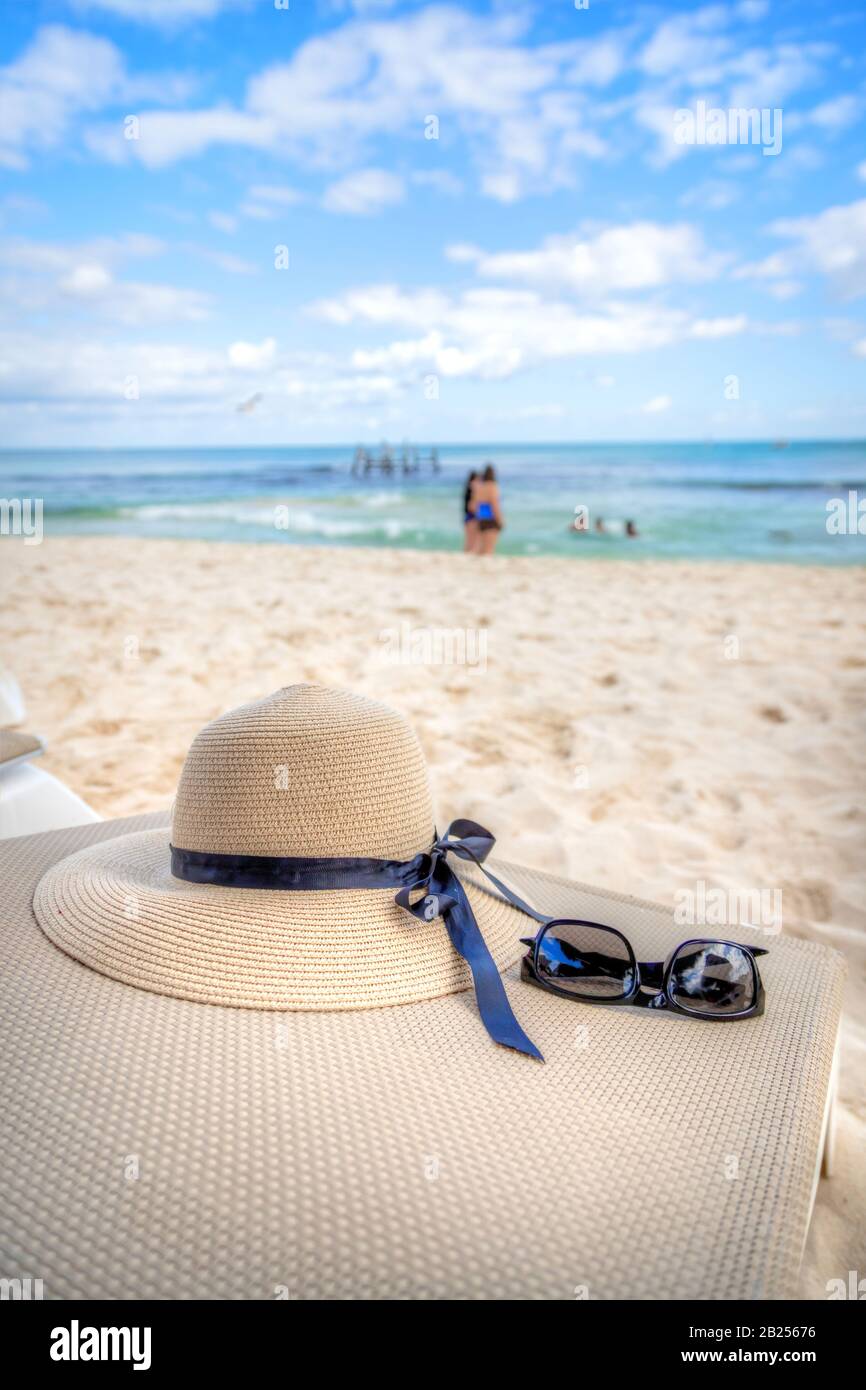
(153, 1147)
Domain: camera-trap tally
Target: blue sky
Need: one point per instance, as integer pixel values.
(442, 222)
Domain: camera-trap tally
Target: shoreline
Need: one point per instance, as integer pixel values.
(748, 502)
(501, 556)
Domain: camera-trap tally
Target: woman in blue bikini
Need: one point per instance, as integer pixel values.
(485, 500)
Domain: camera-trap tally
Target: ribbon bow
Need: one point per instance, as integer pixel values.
(434, 890)
(429, 888)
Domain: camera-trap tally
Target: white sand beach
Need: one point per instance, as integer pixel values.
(646, 726)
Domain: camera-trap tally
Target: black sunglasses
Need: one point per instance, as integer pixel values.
(703, 978)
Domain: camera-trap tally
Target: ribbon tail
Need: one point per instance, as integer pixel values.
(493, 1003)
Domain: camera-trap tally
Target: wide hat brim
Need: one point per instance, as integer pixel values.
(154, 1147)
(117, 908)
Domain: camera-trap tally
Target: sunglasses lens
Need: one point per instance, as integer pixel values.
(586, 960)
(713, 977)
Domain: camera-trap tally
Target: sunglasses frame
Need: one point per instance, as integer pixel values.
(655, 975)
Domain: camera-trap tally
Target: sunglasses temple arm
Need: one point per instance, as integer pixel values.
(507, 893)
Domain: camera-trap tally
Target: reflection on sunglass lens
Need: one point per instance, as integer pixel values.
(586, 960)
(713, 977)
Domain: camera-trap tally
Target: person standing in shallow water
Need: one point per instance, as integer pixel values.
(488, 512)
(470, 524)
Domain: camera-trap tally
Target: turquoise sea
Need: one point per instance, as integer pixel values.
(737, 501)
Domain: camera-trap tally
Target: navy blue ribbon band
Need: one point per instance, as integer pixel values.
(427, 888)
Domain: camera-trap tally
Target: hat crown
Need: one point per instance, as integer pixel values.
(306, 771)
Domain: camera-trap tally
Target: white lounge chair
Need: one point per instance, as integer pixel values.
(31, 800)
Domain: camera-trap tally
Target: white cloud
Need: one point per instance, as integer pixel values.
(364, 192)
(135, 303)
(702, 50)
(17, 207)
(719, 327)
(160, 12)
(596, 62)
(687, 43)
(640, 255)
(166, 136)
(441, 180)
(703, 54)
(253, 356)
(400, 355)
(767, 269)
(266, 202)
(660, 119)
(365, 6)
(711, 195)
(784, 289)
(223, 221)
(277, 193)
(530, 115)
(341, 390)
(62, 256)
(64, 76)
(225, 260)
(837, 113)
(76, 376)
(86, 281)
(54, 368)
(259, 212)
(552, 410)
(83, 277)
(463, 252)
(61, 76)
(493, 333)
(506, 187)
(833, 243)
(523, 109)
(384, 304)
(769, 77)
(657, 405)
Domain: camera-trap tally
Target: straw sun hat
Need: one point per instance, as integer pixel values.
(306, 773)
(214, 1091)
